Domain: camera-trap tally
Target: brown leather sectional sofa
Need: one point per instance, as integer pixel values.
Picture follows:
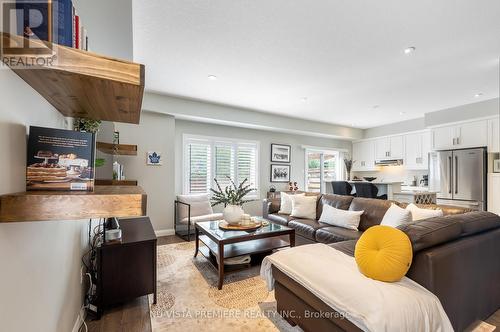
(311, 231)
(456, 257)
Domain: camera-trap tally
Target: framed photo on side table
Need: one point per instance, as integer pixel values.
(281, 153)
(280, 173)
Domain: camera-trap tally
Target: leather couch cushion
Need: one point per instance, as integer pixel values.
(281, 219)
(337, 201)
(306, 227)
(347, 247)
(477, 222)
(375, 210)
(431, 232)
(334, 234)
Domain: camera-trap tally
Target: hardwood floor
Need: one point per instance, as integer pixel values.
(134, 316)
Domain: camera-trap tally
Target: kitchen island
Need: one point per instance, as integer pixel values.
(388, 188)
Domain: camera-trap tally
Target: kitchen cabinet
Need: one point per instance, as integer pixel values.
(417, 148)
(389, 148)
(494, 135)
(466, 135)
(363, 155)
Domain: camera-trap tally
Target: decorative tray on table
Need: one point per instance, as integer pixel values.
(253, 225)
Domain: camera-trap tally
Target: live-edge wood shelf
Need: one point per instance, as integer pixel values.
(105, 182)
(103, 202)
(117, 149)
(83, 84)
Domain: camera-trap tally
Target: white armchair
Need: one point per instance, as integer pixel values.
(190, 209)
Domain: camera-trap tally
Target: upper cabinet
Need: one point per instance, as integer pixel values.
(417, 148)
(466, 135)
(389, 148)
(363, 155)
(494, 135)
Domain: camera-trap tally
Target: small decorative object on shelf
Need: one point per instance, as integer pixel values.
(118, 171)
(233, 197)
(116, 137)
(281, 153)
(293, 187)
(60, 160)
(87, 125)
(348, 166)
(153, 158)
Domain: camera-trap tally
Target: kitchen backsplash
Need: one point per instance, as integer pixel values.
(394, 173)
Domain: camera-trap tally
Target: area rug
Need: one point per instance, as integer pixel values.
(188, 298)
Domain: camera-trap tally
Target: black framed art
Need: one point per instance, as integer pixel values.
(281, 153)
(280, 173)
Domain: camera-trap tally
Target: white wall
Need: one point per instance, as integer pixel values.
(156, 132)
(40, 276)
(265, 138)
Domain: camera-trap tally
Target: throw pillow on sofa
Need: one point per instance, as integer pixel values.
(419, 214)
(286, 202)
(304, 206)
(340, 218)
(396, 216)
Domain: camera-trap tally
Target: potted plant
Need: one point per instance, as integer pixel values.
(88, 125)
(233, 197)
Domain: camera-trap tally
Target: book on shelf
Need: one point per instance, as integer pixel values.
(54, 21)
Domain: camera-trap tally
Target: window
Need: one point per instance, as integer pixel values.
(322, 167)
(206, 158)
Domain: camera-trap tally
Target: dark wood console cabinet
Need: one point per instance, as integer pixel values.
(127, 269)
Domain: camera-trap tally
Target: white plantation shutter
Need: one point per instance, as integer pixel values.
(206, 158)
(247, 164)
(199, 175)
(224, 164)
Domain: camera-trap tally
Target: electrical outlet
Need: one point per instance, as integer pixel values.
(82, 273)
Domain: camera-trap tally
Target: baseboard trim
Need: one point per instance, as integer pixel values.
(164, 232)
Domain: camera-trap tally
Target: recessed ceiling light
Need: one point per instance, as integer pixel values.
(402, 113)
(303, 99)
(409, 50)
(212, 77)
(477, 95)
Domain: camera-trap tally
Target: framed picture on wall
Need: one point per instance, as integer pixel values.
(280, 173)
(281, 153)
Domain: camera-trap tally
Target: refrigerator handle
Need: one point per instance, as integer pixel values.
(456, 174)
(450, 162)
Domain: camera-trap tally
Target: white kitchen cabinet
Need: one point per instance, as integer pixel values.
(389, 148)
(494, 193)
(466, 135)
(363, 155)
(494, 135)
(417, 148)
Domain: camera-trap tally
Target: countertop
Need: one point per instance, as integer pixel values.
(378, 182)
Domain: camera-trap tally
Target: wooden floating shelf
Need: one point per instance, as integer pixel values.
(105, 182)
(80, 83)
(103, 202)
(117, 149)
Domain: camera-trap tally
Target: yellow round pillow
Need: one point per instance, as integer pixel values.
(383, 253)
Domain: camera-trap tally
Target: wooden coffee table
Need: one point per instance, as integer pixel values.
(219, 244)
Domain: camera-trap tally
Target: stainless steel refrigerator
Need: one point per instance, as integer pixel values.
(459, 177)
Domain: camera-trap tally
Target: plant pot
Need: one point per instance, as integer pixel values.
(232, 214)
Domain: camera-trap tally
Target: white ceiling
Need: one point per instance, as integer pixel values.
(344, 56)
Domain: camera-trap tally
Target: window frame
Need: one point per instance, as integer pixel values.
(213, 141)
(322, 151)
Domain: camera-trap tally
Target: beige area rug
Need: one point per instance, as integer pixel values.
(188, 298)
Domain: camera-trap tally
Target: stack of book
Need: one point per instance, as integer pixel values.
(60, 24)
